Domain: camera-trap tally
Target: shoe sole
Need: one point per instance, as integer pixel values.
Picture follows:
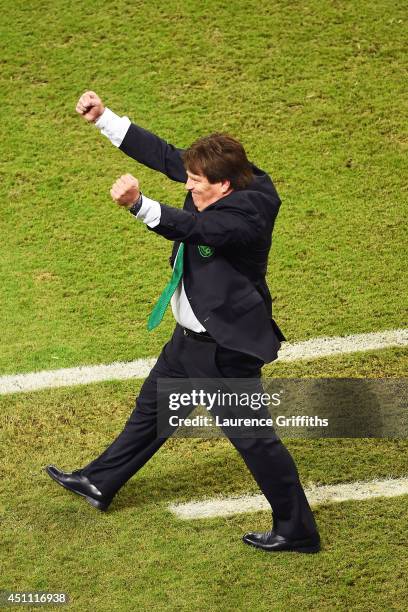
(102, 506)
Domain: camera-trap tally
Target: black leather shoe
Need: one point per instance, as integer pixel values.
(271, 542)
(79, 484)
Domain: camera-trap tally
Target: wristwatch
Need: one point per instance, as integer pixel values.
(135, 208)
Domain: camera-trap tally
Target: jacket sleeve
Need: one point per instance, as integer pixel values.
(154, 152)
(232, 223)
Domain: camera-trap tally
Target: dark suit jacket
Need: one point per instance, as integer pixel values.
(225, 284)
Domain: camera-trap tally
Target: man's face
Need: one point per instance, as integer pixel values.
(203, 192)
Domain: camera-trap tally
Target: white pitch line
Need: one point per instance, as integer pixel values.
(309, 349)
(326, 345)
(69, 377)
(316, 495)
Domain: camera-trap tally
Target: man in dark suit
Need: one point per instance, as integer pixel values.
(222, 307)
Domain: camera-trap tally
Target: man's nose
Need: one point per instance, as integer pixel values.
(189, 184)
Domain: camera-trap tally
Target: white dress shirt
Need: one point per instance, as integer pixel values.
(115, 128)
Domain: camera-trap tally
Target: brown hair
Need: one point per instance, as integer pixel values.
(219, 157)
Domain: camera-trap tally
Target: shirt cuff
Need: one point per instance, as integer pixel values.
(149, 211)
(112, 126)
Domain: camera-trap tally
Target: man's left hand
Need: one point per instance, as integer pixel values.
(125, 191)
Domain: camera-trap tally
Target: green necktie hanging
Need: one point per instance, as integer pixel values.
(160, 307)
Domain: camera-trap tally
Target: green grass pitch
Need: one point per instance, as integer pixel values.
(316, 92)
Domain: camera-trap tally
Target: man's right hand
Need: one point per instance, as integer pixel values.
(90, 106)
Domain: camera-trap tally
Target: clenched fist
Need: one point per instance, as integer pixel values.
(125, 191)
(90, 106)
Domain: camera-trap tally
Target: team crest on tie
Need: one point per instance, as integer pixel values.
(205, 251)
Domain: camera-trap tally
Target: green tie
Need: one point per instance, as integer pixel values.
(159, 309)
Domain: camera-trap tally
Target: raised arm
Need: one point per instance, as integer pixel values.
(154, 152)
(140, 144)
(233, 220)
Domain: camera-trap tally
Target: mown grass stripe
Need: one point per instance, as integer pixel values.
(316, 495)
(309, 349)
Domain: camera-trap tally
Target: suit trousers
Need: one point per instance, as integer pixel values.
(269, 462)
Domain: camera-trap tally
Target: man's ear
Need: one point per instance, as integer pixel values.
(225, 186)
